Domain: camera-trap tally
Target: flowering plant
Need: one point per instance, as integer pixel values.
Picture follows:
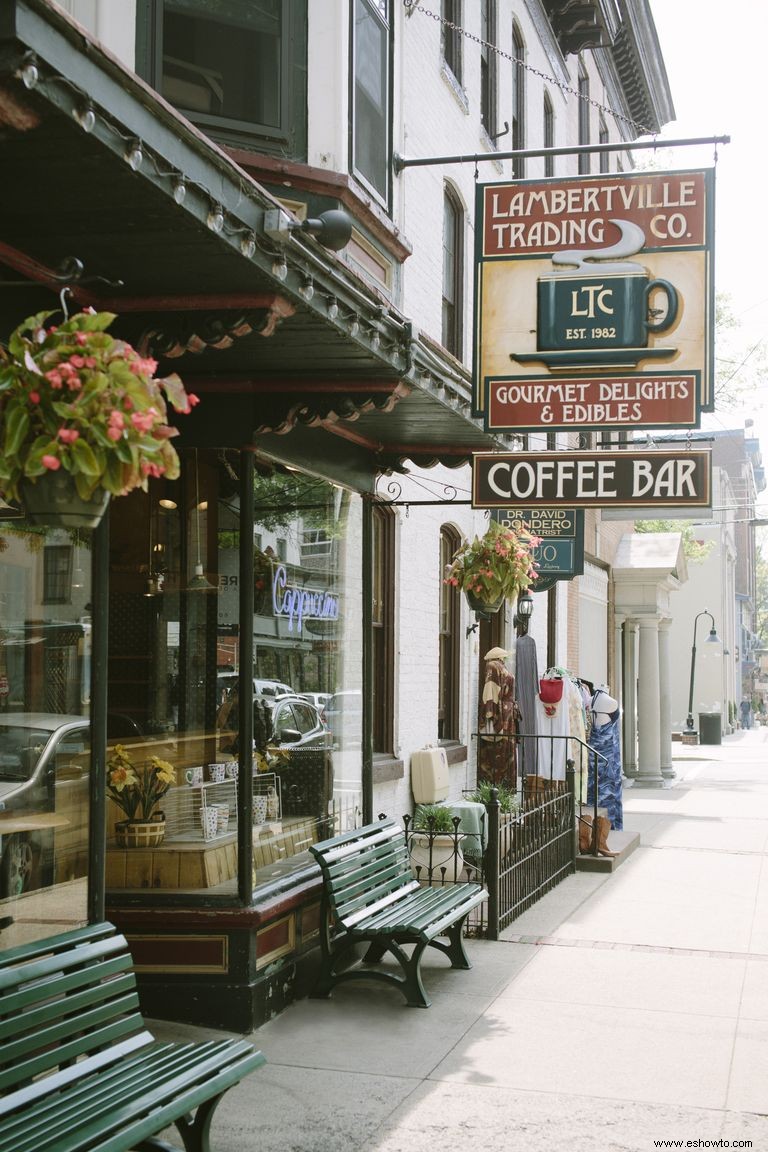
(495, 566)
(76, 398)
(137, 790)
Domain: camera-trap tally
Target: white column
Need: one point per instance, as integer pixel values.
(648, 706)
(630, 700)
(665, 707)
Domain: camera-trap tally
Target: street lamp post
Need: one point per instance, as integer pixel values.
(713, 638)
(523, 611)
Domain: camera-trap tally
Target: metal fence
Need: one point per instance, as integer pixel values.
(535, 791)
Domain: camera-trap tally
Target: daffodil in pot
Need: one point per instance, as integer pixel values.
(82, 418)
(137, 790)
(494, 567)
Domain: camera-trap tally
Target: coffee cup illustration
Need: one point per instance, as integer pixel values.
(591, 300)
(194, 776)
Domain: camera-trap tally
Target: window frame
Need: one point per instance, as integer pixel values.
(549, 134)
(585, 159)
(488, 69)
(452, 324)
(383, 628)
(383, 196)
(518, 101)
(291, 132)
(451, 39)
(449, 633)
(57, 573)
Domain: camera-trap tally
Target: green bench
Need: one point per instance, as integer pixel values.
(371, 896)
(79, 1072)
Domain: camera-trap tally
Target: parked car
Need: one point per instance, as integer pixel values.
(296, 722)
(225, 682)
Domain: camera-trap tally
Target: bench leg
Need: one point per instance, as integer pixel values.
(195, 1131)
(454, 950)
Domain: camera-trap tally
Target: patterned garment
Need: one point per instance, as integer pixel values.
(605, 740)
(527, 676)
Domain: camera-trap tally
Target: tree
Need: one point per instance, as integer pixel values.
(694, 550)
(740, 369)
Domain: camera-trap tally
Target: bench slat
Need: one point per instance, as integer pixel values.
(26, 997)
(24, 953)
(60, 961)
(51, 1010)
(134, 1086)
(52, 1058)
(421, 916)
(351, 841)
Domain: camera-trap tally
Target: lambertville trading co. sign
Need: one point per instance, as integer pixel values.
(595, 302)
(592, 479)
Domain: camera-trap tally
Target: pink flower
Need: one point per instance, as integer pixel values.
(51, 462)
(77, 361)
(34, 397)
(81, 338)
(143, 421)
(114, 433)
(116, 420)
(68, 435)
(151, 469)
(54, 378)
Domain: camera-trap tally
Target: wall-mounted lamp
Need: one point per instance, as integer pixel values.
(713, 638)
(523, 612)
(198, 583)
(332, 229)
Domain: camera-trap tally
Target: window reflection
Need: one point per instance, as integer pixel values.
(175, 670)
(45, 760)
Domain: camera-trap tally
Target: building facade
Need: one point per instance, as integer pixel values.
(229, 186)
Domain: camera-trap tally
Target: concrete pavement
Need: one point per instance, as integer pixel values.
(619, 1012)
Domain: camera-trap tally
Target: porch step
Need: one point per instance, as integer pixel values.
(622, 842)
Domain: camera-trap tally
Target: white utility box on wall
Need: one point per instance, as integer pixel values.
(430, 781)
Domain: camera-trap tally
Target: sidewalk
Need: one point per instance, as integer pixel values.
(619, 1012)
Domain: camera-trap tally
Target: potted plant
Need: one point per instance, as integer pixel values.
(508, 800)
(434, 844)
(494, 567)
(137, 790)
(82, 418)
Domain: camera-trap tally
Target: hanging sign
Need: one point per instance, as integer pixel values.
(560, 553)
(592, 479)
(595, 301)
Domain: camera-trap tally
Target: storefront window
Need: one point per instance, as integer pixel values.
(175, 669)
(45, 762)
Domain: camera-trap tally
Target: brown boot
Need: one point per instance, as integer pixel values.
(585, 834)
(603, 828)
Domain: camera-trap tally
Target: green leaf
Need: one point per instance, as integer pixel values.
(86, 459)
(16, 429)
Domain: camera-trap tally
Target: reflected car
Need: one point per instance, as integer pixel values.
(45, 766)
(296, 722)
(319, 699)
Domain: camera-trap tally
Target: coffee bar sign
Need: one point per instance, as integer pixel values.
(592, 479)
(595, 302)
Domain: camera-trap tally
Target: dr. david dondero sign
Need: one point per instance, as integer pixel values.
(598, 288)
(592, 479)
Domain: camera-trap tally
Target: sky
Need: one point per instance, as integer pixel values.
(714, 56)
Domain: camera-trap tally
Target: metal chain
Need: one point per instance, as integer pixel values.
(413, 6)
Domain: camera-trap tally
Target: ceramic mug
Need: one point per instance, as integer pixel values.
(216, 773)
(231, 769)
(259, 809)
(209, 820)
(194, 775)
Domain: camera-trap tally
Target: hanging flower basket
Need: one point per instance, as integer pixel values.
(83, 408)
(484, 608)
(54, 502)
(494, 568)
(141, 833)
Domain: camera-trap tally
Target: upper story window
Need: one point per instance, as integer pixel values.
(549, 135)
(57, 574)
(584, 106)
(452, 38)
(228, 65)
(371, 134)
(488, 67)
(518, 101)
(453, 273)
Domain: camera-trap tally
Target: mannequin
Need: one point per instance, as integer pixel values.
(498, 722)
(604, 738)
